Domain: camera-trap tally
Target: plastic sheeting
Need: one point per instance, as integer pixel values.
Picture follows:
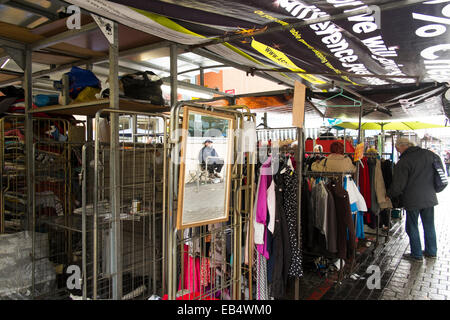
(16, 266)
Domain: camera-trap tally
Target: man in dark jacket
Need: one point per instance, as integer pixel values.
(413, 183)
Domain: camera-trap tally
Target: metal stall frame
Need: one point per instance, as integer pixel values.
(115, 210)
(237, 188)
(68, 210)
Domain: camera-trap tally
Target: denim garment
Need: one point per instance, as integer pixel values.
(412, 229)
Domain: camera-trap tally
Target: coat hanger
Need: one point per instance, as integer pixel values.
(356, 103)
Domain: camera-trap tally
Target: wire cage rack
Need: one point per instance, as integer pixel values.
(34, 250)
(212, 260)
(124, 225)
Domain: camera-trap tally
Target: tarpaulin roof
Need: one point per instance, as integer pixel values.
(355, 43)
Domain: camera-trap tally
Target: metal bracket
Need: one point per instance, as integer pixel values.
(16, 55)
(106, 26)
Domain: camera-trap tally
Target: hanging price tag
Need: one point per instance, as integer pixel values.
(359, 151)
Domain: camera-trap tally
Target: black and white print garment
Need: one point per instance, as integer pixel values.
(290, 205)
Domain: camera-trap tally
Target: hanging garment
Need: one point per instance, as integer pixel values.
(271, 204)
(290, 206)
(307, 218)
(261, 210)
(357, 206)
(380, 188)
(331, 235)
(281, 247)
(262, 288)
(375, 208)
(386, 169)
(346, 239)
(205, 272)
(364, 181)
(258, 228)
(357, 202)
(320, 200)
(334, 163)
(191, 276)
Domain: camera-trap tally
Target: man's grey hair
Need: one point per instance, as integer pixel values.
(404, 142)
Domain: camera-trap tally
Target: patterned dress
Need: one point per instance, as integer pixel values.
(290, 205)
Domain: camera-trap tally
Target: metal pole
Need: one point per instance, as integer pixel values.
(345, 142)
(202, 76)
(299, 155)
(173, 177)
(115, 236)
(134, 128)
(359, 139)
(164, 204)
(83, 222)
(27, 85)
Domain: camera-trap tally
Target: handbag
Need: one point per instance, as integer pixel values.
(440, 178)
(143, 86)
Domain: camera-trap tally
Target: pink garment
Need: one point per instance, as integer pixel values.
(205, 272)
(191, 273)
(15, 132)
(261, 210)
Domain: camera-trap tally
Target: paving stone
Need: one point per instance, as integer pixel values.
(440, 286)
(425, 284)
(389, 293)
(444, 292)
(433, 296)
(429, 290)
(398, 283)
(440, 277)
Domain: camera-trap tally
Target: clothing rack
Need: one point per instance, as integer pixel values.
(337, 174)
(377, 232)
(328, 173)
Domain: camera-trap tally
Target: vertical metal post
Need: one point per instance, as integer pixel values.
(202, 76)
(89, 129)
(95, 203)
(83, 221)
(173, 178)
(134, 128)
(345, 142)
(27, 85)
(115, 235)
(359, 139)
(299, 156)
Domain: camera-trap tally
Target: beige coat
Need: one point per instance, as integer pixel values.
(380, 188)
(334, 163)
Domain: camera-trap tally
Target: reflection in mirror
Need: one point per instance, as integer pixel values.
(205, 171)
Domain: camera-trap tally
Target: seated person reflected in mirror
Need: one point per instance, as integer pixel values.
(209, 159)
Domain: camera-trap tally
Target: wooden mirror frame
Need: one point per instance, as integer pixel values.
(227, 166)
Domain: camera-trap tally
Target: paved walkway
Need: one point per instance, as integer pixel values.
(400, 278)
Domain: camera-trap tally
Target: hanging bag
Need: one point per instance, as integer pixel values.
(143, 86)
(440, 179)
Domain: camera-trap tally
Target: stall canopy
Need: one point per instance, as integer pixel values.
(395, 125)
(366, 46)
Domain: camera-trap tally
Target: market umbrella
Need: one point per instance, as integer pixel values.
(393, 125)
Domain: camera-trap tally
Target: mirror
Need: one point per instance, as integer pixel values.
(205, 169)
